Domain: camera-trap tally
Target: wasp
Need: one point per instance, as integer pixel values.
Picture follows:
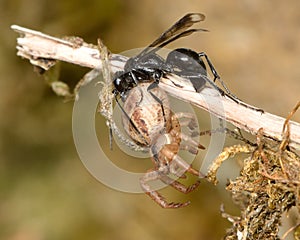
(147, 117)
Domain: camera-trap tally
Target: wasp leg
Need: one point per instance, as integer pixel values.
(236, 135)
(213, 70)
(154, 85)
(179, 186)
(238, 101)
(154, 195)
(227, 92)
(211, 66)
(129, 119)
(217, 77)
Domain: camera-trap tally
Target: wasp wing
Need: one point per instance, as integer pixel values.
(177, 30)
(180, 35)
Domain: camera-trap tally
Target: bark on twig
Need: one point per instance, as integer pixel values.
(38, 47)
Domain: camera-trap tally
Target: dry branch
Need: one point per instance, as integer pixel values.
(38, 47)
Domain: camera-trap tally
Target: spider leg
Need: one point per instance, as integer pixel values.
(179, 186)
(154, 195)
(189, 148)
(190, 141)
(177, 165)
(193, 131)
(184, 115)
(191, 122)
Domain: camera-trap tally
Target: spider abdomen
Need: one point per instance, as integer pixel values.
(148, 116)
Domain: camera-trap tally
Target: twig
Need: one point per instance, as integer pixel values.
(36, 47)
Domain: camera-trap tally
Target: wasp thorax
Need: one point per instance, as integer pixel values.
(149, 112)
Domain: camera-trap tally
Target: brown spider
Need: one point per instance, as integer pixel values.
(155, 126)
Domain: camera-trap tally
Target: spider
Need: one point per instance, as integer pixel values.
(161, 131)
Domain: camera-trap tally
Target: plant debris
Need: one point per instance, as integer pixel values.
(268, 186)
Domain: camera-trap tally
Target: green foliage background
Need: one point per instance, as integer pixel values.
(45, 191)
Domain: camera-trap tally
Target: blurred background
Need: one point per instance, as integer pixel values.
(46, 192)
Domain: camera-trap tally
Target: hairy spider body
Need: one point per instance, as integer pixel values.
(152, 124)
(147, 114)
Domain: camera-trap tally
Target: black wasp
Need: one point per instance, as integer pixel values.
(148, 66)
